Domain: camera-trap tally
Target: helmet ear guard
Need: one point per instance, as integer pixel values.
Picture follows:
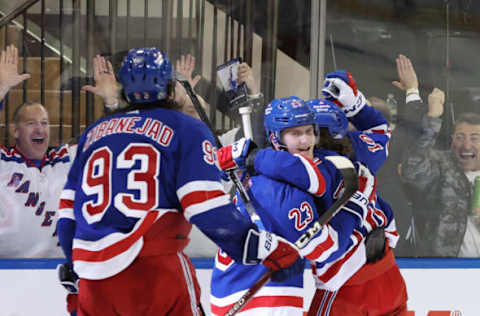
(146, 75)
(330, 116)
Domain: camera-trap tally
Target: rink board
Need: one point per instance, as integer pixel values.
(29, 287)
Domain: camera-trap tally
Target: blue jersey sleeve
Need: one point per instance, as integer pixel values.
(202, 196)
(370, 141)
(369, 118)
(297, 170)
(370, 149)
(66, 224)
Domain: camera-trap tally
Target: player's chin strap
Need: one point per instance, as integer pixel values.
(350, 182)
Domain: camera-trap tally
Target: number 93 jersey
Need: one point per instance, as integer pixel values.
(130, 170)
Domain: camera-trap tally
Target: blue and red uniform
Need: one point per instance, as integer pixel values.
(138, 182)
(289, 212)
(378, 287)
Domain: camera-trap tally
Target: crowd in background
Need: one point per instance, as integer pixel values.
(433, 191)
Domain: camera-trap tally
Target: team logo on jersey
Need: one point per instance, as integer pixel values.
(296, 104)
(15, 180)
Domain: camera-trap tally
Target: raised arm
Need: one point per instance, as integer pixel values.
(106, 86)
(419, 168)
(9, 76)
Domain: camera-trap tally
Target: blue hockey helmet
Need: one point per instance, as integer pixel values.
(329, 115)
(285, 113)
(146, 75)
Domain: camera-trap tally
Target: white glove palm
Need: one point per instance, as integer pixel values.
(344, 95)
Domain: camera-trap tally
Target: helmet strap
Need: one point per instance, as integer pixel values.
(276, 143)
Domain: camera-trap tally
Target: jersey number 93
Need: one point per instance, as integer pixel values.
(97, 180)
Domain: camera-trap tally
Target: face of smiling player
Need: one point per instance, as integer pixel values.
(32, 131)
(466, 144)
(299, 140)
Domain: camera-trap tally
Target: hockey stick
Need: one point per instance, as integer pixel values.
(350, 183)
(203, 116)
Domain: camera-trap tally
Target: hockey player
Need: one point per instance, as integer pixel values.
(368, 145)
(290, 125)
(141, 177)
(32, 176)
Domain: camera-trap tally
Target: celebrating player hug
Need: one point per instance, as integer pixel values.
(141, 177)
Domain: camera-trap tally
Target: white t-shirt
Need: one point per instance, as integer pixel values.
(471, 241)
(29, 198)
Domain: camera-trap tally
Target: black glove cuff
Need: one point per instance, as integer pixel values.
(250, 160)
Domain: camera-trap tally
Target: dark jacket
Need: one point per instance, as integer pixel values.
(439, 190)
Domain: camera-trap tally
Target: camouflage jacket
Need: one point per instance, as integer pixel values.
(441, 192)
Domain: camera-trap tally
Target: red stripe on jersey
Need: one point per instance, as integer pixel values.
(380, 214)
(262, 301)
(317, 252)
(370, 219)
(318, 174)
(322, 187)
(64, 203)
(118, 247)
(394, 233)
(373, 195)
(334, 268)
(54, 154)
(196, 197)
(379, 131)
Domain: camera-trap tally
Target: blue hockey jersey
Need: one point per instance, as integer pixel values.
(370, 144)
(289, 212)
(370, 140)
(133, 169)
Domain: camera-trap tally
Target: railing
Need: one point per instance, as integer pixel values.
(77, 30)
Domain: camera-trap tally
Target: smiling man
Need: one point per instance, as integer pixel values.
(466, 143)
(442, 180)
(31, 176)
(31, 131)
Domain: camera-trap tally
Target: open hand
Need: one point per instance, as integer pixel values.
(9, 76)
(185, 66)
(105, 83)
(406, 74)
(245, 74)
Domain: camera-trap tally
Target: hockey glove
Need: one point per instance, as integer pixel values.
(68, 278)
(269, 249)
(358, 206)
(236, 155)
(286, 273)
(341, 88)
(366, 181)
(360, 201)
